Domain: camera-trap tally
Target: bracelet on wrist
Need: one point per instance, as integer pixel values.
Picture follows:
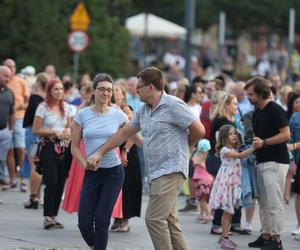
(126, 150)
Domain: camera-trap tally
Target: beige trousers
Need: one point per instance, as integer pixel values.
(161, 215)
(270, 183)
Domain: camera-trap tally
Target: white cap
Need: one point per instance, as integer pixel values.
(28, 70)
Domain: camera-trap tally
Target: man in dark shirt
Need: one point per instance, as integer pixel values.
(7, 118)
(271, 133)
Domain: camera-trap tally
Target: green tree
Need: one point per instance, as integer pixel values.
(35, 32)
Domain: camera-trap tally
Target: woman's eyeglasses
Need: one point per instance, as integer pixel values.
(102, 90)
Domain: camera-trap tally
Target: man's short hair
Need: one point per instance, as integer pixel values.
(152, 75)
(260, 85)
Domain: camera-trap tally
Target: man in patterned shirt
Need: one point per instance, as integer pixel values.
(169, 129)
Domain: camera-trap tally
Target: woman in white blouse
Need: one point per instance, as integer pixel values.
(52, 123)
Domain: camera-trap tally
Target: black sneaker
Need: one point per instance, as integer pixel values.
(33, 203)
(259, 242)
(273, 245)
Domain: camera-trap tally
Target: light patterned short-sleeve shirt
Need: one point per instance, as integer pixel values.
(165, 133)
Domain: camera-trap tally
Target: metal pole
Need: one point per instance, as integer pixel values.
(189, 25)
(291, 37)
(291, 27)
(146, 38)
(76, 66)
(222, 23)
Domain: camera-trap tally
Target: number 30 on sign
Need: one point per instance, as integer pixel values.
(78, 41)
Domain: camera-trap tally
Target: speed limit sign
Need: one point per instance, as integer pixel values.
(78, 41)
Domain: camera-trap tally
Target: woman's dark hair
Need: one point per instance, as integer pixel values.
(188, 94)
(198, 79)
(260, 86)
(220, 81)
(68, 85)
(290, 104)
(102, 77)
(223, 136)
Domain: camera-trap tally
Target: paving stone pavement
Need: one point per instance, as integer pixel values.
(22, 229)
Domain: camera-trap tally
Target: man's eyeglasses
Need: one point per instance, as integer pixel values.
(139, 86)
(102, 89)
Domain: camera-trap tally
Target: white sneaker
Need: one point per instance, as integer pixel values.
(297, 231)
(248, 226)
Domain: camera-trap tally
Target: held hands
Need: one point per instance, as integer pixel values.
(93, 161)
(257, 143)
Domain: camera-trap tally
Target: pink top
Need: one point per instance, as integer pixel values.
(201, 173)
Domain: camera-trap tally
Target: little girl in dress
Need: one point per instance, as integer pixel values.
(203, 179)
(227, 189)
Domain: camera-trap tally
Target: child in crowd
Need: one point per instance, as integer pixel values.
(227, 189)
(203, 180)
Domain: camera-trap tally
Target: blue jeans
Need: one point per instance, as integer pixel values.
(99, 193)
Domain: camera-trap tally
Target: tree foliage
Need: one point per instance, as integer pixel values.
(242, 15)
(35, 32)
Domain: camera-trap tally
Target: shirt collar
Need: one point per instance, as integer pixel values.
(163, 100)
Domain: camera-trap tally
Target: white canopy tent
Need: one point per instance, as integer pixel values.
(157, 27)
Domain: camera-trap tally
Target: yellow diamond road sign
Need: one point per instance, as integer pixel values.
(80, 18)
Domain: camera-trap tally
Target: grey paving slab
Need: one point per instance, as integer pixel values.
(22, 229)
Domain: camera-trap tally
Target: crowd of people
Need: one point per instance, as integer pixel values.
(99, 143)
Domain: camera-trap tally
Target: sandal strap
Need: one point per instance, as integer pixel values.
(227, 244)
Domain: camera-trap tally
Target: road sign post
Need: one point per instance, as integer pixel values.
(78, 40)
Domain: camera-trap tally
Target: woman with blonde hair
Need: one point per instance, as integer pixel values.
(214, 108)
(222, 113)
(284, 92)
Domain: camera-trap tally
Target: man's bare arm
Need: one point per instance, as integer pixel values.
(196, 132)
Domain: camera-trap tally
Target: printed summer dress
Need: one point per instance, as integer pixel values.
(227, 189)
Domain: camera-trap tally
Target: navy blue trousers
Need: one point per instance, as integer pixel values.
(98, 196)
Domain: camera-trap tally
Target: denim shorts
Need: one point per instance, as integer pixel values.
(18, 136)
(30, 138)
